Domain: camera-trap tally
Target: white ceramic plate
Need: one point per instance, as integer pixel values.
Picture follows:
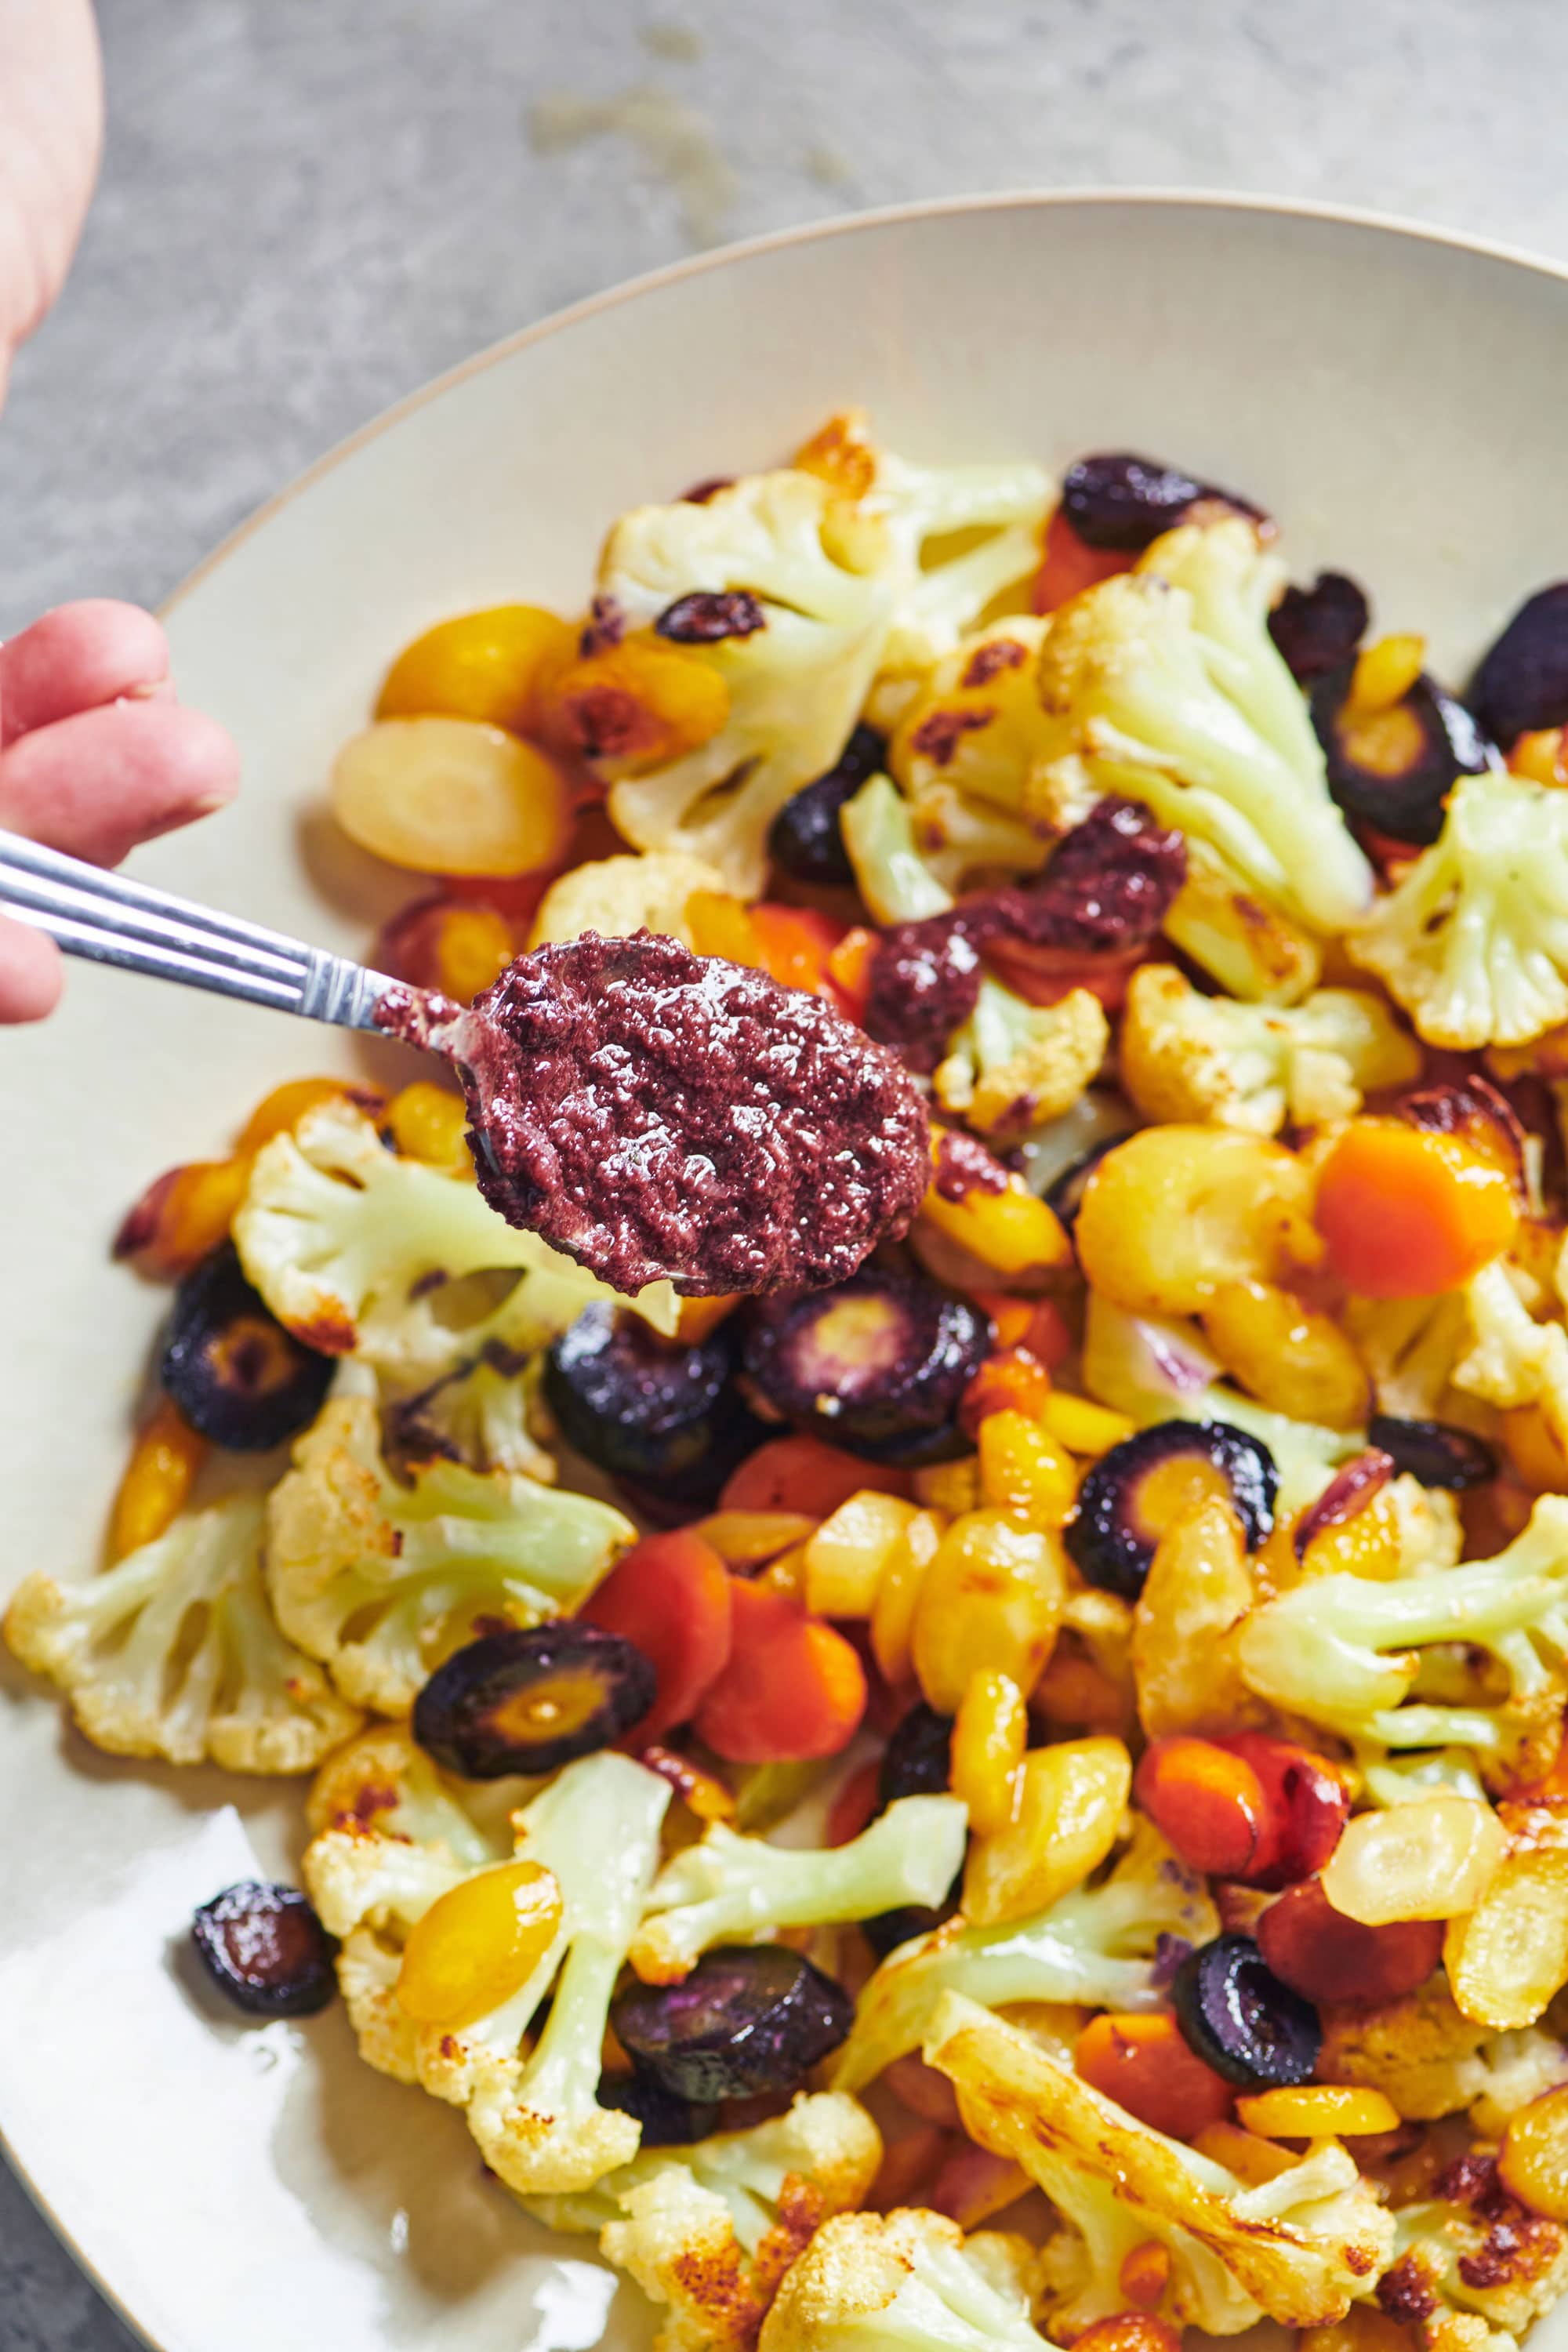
(1396, 399)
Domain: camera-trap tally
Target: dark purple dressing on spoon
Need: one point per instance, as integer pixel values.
(656, 1114)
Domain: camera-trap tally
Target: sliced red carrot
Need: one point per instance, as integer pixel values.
(1071, 566)
(923, 2091)
(671, 1595)
(1306, 1807)
(1143, 2065)
(1045, 975)
(1318, 1951)
(793, 1689)
(908, 2161)
(856, 1803)
(1047, 1339)
(801, 1474)
(971, 2184)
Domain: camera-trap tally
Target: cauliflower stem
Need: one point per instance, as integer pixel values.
(729, 1889)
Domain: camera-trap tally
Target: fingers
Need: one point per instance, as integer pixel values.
(98, 782)
(30, 973)
(75, 659)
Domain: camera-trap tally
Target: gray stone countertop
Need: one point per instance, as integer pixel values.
(309, 206)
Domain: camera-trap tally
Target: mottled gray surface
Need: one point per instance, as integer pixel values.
(311, 206)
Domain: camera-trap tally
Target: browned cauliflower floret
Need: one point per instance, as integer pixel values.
(174, 1651)
(708, 2230)
(1472, 2267)
(1184, 1055)
(371, 1576)
(1300, 2249)
(362, 1252)
(905, 2281)
(1431, 2061)
(1015, 1064)
(530, 2096)
(618, 895)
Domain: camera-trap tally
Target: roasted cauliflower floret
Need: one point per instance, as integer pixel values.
(1431, 2061)
(1184, 1055)
(372, 1578)
(1299, 2248)
(478, 1414)
(1257, 953)
(1098, 1946)
(708, 2232)
(975, 727)
(1472, 2267)
(730, 1889)
(1474, 941)
(939, 594)
(532, 2107)
(1165, 684)
(619, 896)
(1013, 1065)
(1511, 1359)
(360, 1253)
(1410, 1347)
(173, 1653)
(824, 579)
(380, 1781)
(904, 2282)
(1344, 1651)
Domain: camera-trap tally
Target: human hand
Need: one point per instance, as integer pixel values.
(95, 753)
(51, 123)
(95, 756)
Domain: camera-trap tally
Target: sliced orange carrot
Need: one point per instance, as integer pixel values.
(671, 1595)
(793, 1689)
(1010, 1316)
(795, 944)
(1407, 1213)
(1131, 2331)
(1010, 1381)
(1145, 2066)
(850, 969)
(1209, 1803)
(801, 1474)
(1071, 566)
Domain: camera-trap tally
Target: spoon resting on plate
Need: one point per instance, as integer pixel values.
(658, 1114)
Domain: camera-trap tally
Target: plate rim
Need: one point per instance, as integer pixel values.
(721, 257)
(1138, 196)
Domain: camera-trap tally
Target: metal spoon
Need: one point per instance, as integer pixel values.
(108, 919)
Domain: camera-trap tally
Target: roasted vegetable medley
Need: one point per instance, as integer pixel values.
(1019, 1799)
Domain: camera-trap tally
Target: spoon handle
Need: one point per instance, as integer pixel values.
(108, 919)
